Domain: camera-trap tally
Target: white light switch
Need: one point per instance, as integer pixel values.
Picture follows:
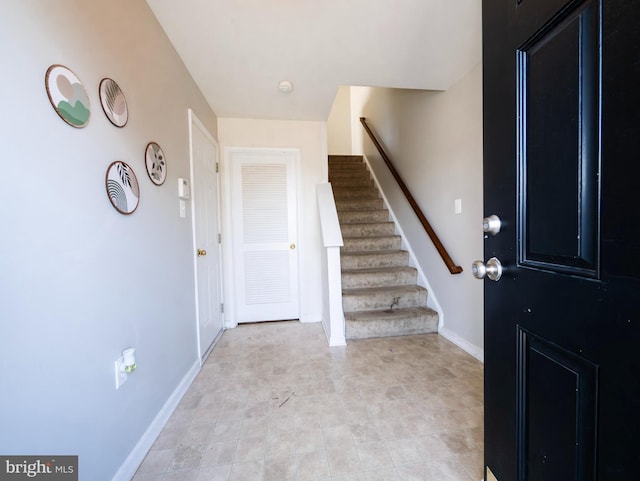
(121, 375)
(184, 191)
(458, 206)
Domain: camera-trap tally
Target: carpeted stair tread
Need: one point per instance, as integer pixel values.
(369, 228)
(382, 298)
(346, 159)
(371, 243)
(356, 193)
(348, 167)
(364, 181)
(363, 216)
(351, 174)
(364, 259)
(387, 323)
(358, 204)
(378, 277)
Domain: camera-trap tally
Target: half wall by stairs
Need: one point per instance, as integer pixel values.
(380, 295)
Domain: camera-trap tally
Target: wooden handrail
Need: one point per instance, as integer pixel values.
(453, 268)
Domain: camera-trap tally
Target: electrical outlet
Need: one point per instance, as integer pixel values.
(121, 376)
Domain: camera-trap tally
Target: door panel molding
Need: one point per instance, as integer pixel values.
(558, 91)
(555, 386)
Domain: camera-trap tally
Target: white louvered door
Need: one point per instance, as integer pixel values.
(265, 234)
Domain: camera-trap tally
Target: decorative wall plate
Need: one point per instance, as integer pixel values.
(113, 102)
(122, 187)
(67, 95)
(156, 163)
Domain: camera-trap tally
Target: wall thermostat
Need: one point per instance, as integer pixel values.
(184, 192)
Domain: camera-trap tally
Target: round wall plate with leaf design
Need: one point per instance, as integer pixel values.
(67, 95)
(156, 163)
(122, 187)
(113, 102)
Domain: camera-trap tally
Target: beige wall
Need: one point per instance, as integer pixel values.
(311, 139)
(339, 123)
(435, 142)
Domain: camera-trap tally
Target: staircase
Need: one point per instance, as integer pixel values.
(380, 297)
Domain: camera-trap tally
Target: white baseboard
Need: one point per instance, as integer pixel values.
(137, 455)
(463, 344)
(337, 341)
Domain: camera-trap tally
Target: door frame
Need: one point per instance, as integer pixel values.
(193, 119)
(227, 231)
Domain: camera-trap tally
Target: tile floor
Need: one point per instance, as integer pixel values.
(274, 403)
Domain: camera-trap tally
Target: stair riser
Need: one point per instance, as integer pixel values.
(371, 244)
(361, 230)
(357, 204)
(345, 158)
(374, 259)
(355, 182)
(360, 217)
(382, 300)
(357, 193)
(375, 329)
(347, 166)
(352, 173)
(355, 280)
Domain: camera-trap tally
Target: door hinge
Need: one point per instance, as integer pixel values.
(217, 167)
(222, 307)
(219, 238)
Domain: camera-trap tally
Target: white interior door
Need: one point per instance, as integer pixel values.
(206, 225)
(264, 200)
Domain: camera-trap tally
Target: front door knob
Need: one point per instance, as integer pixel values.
(492, 270)
(201, 252)
(492, 224)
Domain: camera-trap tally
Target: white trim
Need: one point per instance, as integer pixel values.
(331, 233)
(332, 238)
(463, 344)
(432, 300)
(336, 314)
(136, 456)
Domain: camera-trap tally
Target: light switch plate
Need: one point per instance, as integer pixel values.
(184, 191)
(121, 376)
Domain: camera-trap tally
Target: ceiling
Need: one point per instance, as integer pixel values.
(238, 50)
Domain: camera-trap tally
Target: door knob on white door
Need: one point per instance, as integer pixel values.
(201, 252)
(492, 269)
